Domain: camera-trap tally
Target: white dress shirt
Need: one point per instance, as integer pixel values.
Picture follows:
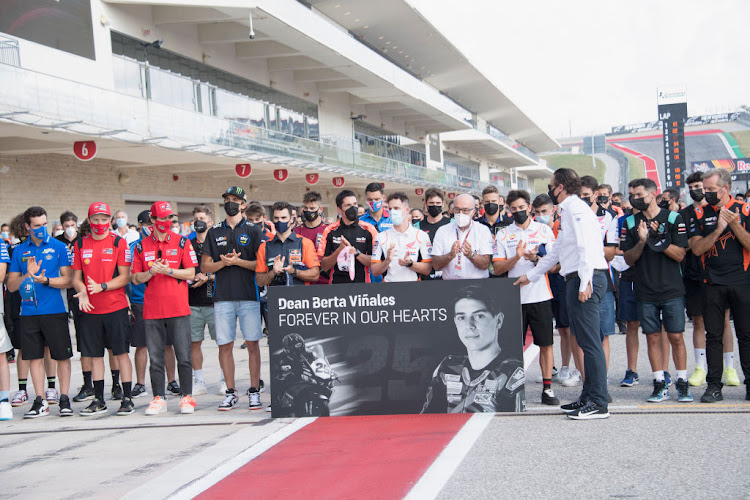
(461, 268)
(579, 247)
(413, 243)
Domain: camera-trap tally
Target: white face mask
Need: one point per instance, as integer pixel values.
(121, 222)
(57, 233)
(462, 220)
(71, 232)
(176, 230)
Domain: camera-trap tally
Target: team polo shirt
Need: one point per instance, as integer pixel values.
(98, 259)
(480, 239)
(52, 255)
(412, 243)
(727, 261)
(234, 282)
(296, 250)
(361, 236)
(135, 292)
(380, 225)
(314, 234)
(4, 259)
(657, 277)
(165, 296)
(534, 235)
(203, 295)
(692, 267)
(501, 223)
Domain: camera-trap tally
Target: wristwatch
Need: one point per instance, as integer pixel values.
(411, 263)
(47, 282)
(294, 271)
(171, 271)
(357, 254)
(104, 287)
(473, 254)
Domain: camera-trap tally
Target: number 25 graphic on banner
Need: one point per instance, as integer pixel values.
(243, 170)
(338, 182)
(312, 178)
(281, 174)
(84, 150)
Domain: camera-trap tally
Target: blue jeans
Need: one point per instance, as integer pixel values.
(585, 324)
(607, 315)
(667, 313)
(227, 312)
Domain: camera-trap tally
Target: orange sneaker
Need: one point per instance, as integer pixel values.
(156, 406)
(187, 404)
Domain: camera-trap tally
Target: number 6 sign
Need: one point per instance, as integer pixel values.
(84, 150)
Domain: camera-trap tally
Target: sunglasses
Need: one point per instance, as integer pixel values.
(158, 254)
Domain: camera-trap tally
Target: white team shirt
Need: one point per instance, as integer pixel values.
(412, 242)
(461, 268)
(506, 242)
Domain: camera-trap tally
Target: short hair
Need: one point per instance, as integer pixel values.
(417, 210)
(33, 212)
(517, 194)
(346, 193)
(373, 187)
(618, 195)
(541, 200)
(605, 186)
(589, 182)
(673, 194)
(432, 193)
(694, 177)
(476, 198)
(312, 197)
(255, 209)
(282, 205)
(569, 180)
(643, 182)
(68, 215)
(725, 178)
(398, 195)
(205, 210)
(489, 190)
(482, 294)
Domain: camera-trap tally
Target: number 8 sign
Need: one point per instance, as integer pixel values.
(84, 150)
(281, 174)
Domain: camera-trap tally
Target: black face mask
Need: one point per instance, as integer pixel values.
(520, 217)
(586, 199)
(552, 195)
(664, 204)
(615, 203)
(712, 198)
(200, 226)
(351, 213)
(310, 215)
(697, 194)
(491, 208)
(602, 200)
(638, 203)
(232, 208)
(434, 210)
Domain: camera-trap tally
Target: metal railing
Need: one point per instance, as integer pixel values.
(9, 51)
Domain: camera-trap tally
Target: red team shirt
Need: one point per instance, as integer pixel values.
(99, 260)
(165, 296)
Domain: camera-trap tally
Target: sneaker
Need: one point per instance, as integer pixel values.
(65, 409)
(97, 407)
(698, 378)
(667, 378)
(222, 388)
(117, 392)
(51, 396)
(84, 394)
(631, 379)
(187, 404)
(712, 394)
(19, 399)
(574, 406)
(6, 411)
(39, 408)
(268, 408)
(731, 378)
(199, 387)
(261, 386)
(548, 398)
(590, 411)
(661, 392)
(230, 400)
(254, 396)
(573, 380)
(683, 391)
(156, 406)
(138, 391)
(126, 407)
(174, 388)
(562, 375)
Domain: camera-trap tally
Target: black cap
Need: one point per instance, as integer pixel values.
(143, 217)
(236, 191)
(659, 242)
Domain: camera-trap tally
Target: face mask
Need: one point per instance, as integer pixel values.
(71, 232)
(146, 231)
(462, 220)
(491, 208)
(415, 224)
(520, 217)
(57, 233)
(200, 226)
(310, 215)
(638, 203)
(176, 230)
(552, 195)
(121, 222)
(163, 226)
(100, 228)
(543, 219)
(664, 204)
(397, 217)
(434, 210)
(587, 199)
(375, 205)
(40, 232)
(697, 194)
(5, 235)
(615, 203)
(602, 200)
(232, 208)
(712, 198)
(351, 213)
(281, 226)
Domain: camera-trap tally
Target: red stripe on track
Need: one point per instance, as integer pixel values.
(649, 162)
(660, 136)
(345, 457)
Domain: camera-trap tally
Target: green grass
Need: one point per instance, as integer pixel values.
(743, 141)
(580, 163)
(637, 167)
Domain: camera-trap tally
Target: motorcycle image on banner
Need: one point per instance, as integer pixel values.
(396, 348)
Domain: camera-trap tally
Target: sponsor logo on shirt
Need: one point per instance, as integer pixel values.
(243, 239)
(172, 251)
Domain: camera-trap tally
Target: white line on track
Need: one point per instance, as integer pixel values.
(730, 149)
(438, 474)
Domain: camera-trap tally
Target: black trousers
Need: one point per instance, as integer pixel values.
(718, 299)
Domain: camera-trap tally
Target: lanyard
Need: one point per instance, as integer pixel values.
(458, 238)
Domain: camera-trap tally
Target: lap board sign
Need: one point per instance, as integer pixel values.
(389, 348)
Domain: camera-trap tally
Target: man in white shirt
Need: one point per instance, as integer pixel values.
(580, 252)
(403, 251)
(463, 248)
(516, 253)
(122, 229)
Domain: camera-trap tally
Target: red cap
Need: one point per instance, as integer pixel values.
(161, 209)
(99, 207)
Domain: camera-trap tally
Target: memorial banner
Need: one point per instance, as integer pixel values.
(388, 348)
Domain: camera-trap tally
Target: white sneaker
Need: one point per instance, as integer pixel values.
(157, 406)
(222, 388)
(6, 411)
(199, 387)
(51, 396)
(573, 380)
(563, 374)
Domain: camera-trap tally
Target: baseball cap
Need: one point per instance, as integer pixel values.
(161, 209)
(27, 291)
(236, 191)
(99, 207)
(143, 217)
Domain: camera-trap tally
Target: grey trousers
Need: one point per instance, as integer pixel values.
(157, 332)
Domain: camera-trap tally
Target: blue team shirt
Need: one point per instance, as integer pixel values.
(382, 225)
(4, 255)
(52, 255)
(136, 292)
